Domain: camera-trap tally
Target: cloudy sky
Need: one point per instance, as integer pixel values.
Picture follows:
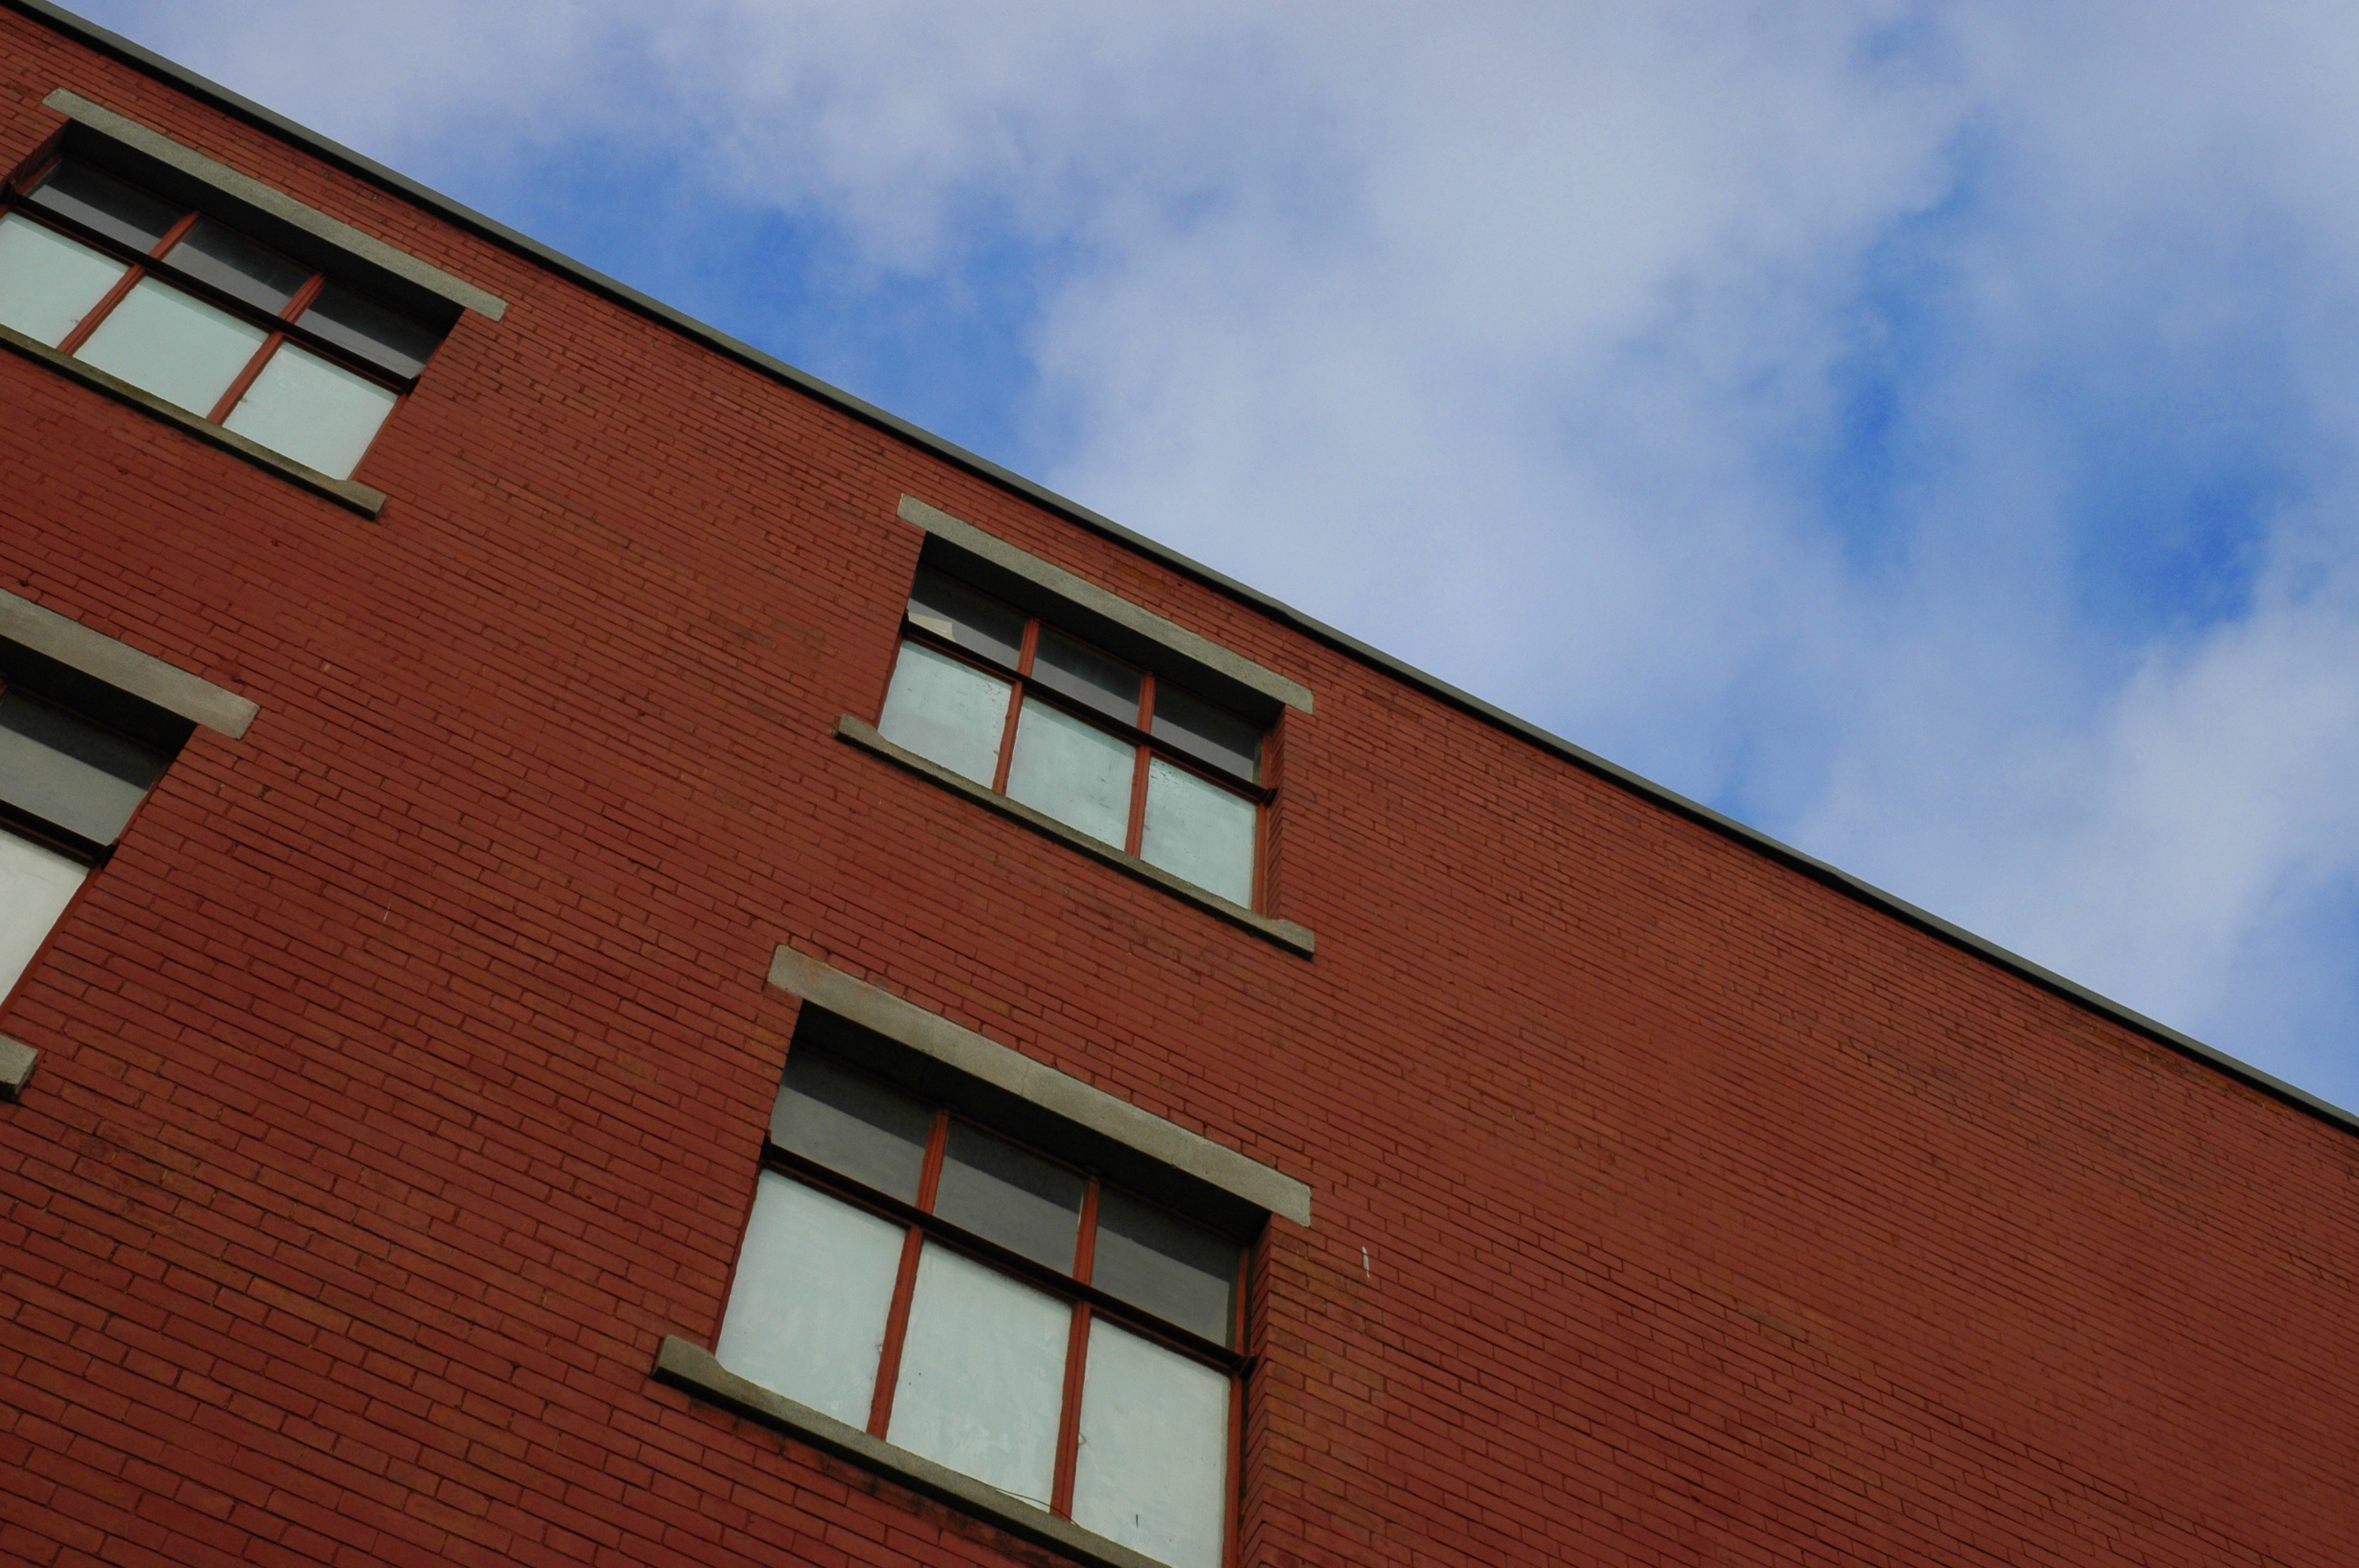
(1928, 431)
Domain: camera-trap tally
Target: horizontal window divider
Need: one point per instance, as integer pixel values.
(220, 298)
(1009, 1261)
(696, 1371)
(361, 498)
(1029, 687)
(1285, 934)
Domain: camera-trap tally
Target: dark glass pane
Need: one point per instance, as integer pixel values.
(1160, 1263)
(1087, 676)
(974, 622)
(1211, 735)
(70, 773)
(852, 1124)
(1020, 1201)
(102, 202)
(378, 335)
(237, 266)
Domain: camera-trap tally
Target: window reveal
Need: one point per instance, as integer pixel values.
(911, 1274)
(190, 310)
(1046, 719)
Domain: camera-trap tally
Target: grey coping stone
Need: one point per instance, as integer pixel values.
(123, 668)
(1097, 601)
(1037, 1083)
(16, 1060)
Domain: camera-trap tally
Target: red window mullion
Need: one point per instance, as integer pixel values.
(1077, 1354)
(72, 341)
(1135, 836)
(905, 1284)
(245, 377)
(1016, 705)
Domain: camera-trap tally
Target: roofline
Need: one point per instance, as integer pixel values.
(597, 282)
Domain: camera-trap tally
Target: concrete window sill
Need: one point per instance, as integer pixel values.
(368, 502)
(1285, 933)
(694, 1370)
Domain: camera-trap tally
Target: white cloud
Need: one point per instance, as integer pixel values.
(1525, 341)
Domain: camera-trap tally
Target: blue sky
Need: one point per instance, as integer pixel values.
(1925, 431)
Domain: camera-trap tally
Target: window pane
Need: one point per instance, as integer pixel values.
(1019, 1200)
(35, 885)
(1086, 675)
(974, 622)
(314, 412)
(982, 1375)
(950, 713)
(1211, 735)
(102, 202)
(1073, 771)
(852, 1124)
(237, 266)
(1197, 830)
(84, 779)
(178, 347)
(1154, 1467)
(380, 336)
(48, 283)
(807, 1312)
(1158, 1262)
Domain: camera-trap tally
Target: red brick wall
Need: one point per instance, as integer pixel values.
(402, 1078)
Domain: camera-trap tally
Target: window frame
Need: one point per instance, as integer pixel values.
(1146, 747)
(922, 1228)
(15, 200)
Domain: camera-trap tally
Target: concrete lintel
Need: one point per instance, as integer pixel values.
(1097, 601)
(123, 668)
(277, 203)
(697, 1372)
(964, 1051)
(16, 1060)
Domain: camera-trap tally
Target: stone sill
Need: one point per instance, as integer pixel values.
(1285, 933)
(361, 498)
(694, 1370)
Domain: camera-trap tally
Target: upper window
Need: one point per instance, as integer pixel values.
(68, 787)
(1009, 1316)
(1096, 743)
(182, 306)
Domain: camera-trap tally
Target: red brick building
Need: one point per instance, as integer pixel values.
(468, 731)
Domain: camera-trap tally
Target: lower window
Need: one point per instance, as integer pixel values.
(1001, 1313)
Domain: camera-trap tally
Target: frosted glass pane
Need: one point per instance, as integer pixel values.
(1073, 771)
(35, 885)
(48, 283)
(807, 1314)
(1154, 1467)
(982, 1375)
(950, 713)
(314, 412)
(174, 345)
(1199, 831)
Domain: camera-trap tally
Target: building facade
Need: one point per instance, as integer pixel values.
(612, 956)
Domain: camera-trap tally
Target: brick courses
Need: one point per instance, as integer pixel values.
(403, 1076)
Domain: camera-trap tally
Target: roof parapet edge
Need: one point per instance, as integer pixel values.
(467, 218)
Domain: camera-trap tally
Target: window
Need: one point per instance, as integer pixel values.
(1098, 744)
(1011, 1317)
(199, 314)
(69, 786)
